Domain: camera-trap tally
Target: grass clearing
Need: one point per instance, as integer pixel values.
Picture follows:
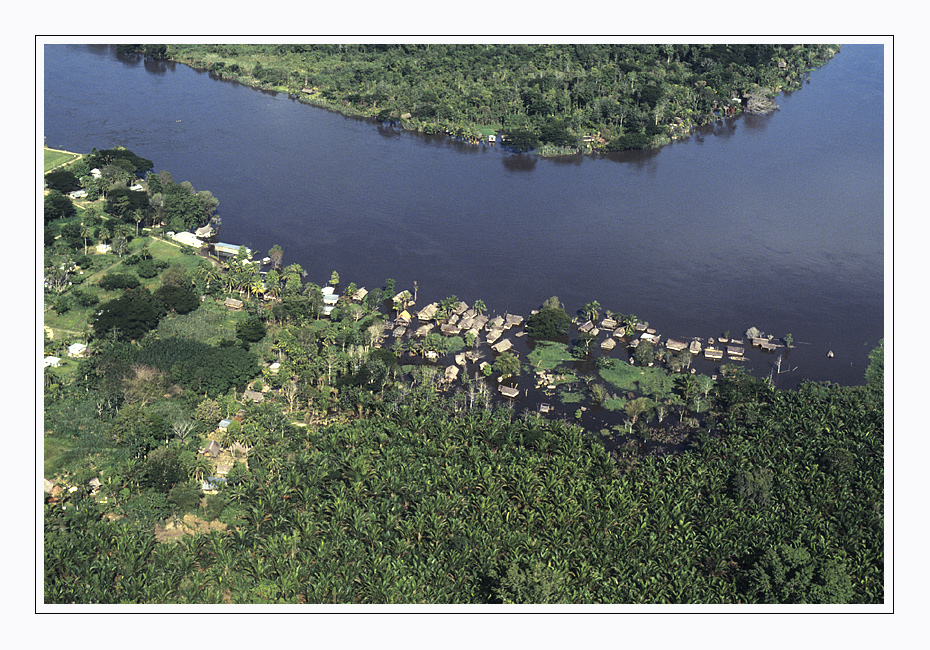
(56, 158)
(548, 355)
(55, 450)
(647, 381)
(210, 324)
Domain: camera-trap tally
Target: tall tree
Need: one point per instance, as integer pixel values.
(277, 256)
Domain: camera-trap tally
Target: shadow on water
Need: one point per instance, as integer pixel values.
(519, 162)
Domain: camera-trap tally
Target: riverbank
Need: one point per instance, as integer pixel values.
(601, 98)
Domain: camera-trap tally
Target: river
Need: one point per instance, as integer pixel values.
(770, 221)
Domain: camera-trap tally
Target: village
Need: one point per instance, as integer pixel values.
(486, 338)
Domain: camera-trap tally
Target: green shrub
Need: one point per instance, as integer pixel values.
(215, 504)
(114, 281)
(548, 323)
(186, 496)
(147, 268)
(251, 330)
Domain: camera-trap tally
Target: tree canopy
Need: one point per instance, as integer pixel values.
(558, 98)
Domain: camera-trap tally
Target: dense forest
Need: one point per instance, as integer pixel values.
(262, 450)
(553, 99)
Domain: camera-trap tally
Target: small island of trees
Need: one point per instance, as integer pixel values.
(553, 99)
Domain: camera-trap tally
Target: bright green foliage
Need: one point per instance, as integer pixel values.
(547, 355)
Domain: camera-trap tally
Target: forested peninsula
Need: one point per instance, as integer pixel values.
(551, 99)
(223, 429)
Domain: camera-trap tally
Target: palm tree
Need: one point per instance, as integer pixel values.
(591, 310)
(137, 216)
(85, 232)
(257, 287)
(208, 273)
(273, 284)
(629, 322)
(200, 467)
(479, 307)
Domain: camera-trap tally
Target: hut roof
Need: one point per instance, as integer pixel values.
(255, 396)
(233, 303)
(608, 344)
(672, 344)
(429, 311)
(508, 391)
(502, 346)
(213, 449)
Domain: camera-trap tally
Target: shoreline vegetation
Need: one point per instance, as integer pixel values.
(551, 100)
(226, 431)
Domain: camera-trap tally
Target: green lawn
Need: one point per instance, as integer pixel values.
(54, 158)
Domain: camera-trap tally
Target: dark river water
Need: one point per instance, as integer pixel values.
(775, 222)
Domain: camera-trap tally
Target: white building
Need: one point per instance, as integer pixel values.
(186, 238)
